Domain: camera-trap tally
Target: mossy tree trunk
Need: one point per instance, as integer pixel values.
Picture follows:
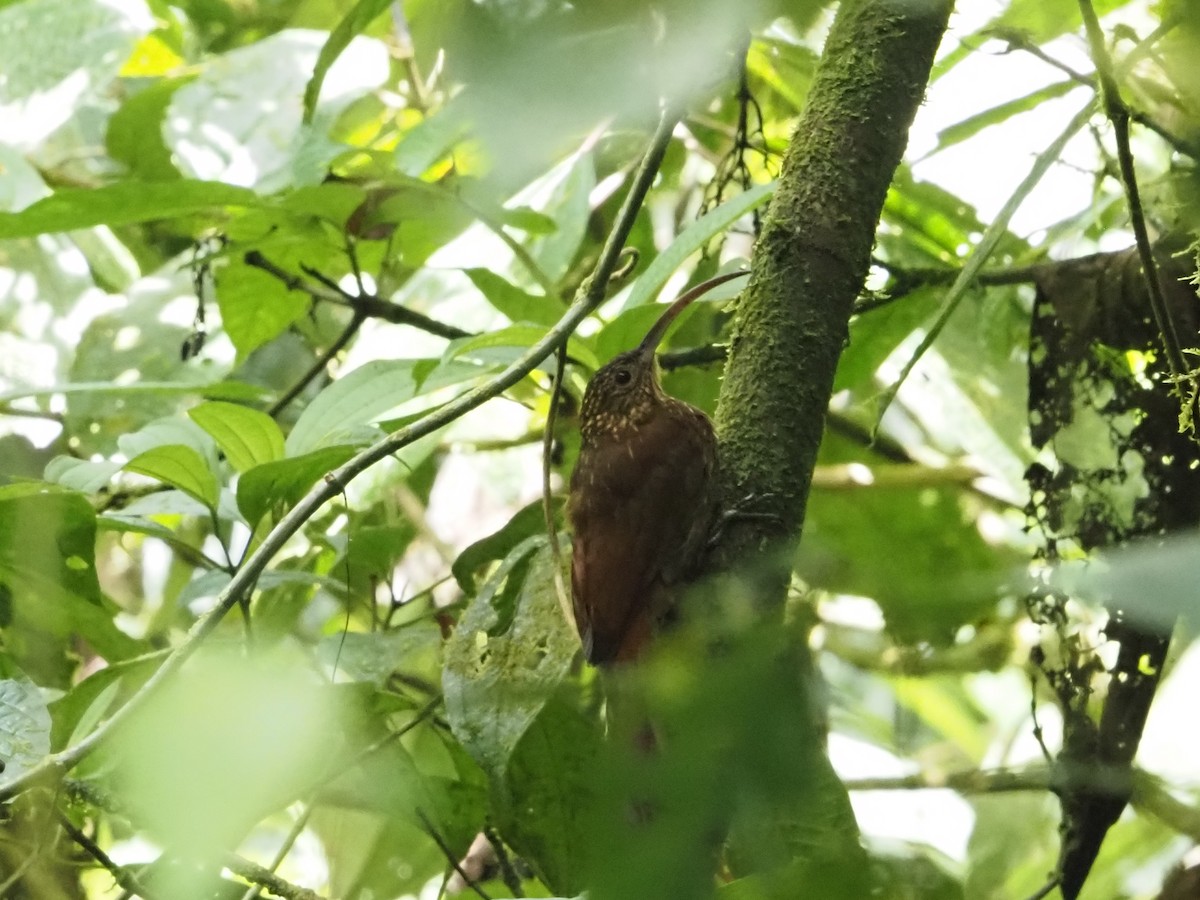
(812, 258)
(790, 327)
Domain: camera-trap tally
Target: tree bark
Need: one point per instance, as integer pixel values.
(811, 260)
(790, 327)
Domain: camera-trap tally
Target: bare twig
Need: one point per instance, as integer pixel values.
(285, 848)
(451, 856)
(266, 879)
(121, 875)
(7, 409)
(321, 288)
(973, 781)
(319, 364)
(1020, 42)
(560, 589)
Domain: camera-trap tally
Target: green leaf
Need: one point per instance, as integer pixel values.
(215, 390)
(341, 410)
(429, 141)
(516, 304)
(948, 575)
(48, 571)
(569, 207)
(24, 726)
(248, 437)
(693, 238)
(59, 55)
(255, 307)
(124, 203)
(529, 521)
(355, 22)
(373, 551)
(285, 481)
(81, 475)
(497, 684)
(526, 219)
(972, 125)
(179, 466)
(374, 657)
(135, 135)
(550, 779)
(522, 336)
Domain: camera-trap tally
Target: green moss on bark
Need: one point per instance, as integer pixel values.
(813, 256)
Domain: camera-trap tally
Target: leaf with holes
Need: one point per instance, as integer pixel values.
(496, 680)
(24, 726)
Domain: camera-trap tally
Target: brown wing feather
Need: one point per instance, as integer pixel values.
(639, 530)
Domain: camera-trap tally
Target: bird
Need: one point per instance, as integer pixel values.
(643, 498)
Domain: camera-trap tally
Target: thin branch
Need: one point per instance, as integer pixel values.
(693, 356)
(7, 409)
(321, 288)
(1044, 890)
(1149, 795)
(1180, 145)
(285, 848)
(25, 866)
(402, 49)
(450, 855)
(319, 364)
(560, 589)
(1152, 797)
(590, 295)
(122, 876)
(972, 781)
(266, 879)
(989, 649)
(987, 244)
(1118, 114)
(508, 872)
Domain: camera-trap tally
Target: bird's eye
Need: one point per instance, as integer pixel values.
(622, 376)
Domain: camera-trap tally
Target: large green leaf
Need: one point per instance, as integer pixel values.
(948, 575)
(547, 792)
(523, 336)
(518, 305)
(529, 521)
(340, 412)
(135, 135)
(181, 467)
(123, 203)
(691, 240)
(255, 306)
(355, 22)
(497, 681)
(248, 437)
(24, 725)
(58, 55)
(48, 571)
(977, 122)
(285, 481)
(373, 657)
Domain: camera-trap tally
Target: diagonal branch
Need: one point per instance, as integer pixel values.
(1118, 114)
(590, 295)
